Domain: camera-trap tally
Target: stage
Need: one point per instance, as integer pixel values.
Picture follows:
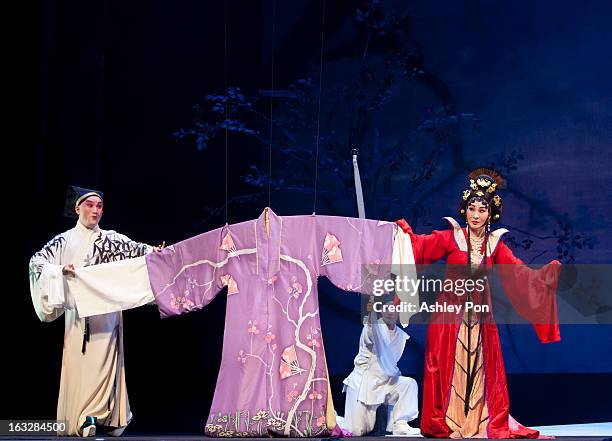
(569, 432)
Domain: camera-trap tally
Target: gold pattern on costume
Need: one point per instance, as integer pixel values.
(475, 250)
(474, 424)
(483, 182)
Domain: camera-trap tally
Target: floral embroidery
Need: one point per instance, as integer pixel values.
(296, 288)
(242, 356)
(264, 421)
(331, 250)
(274, 422)
(262, 414)
(293, 394)
(272, 279)
(314, 395)
(177, 302)
(232, 286)
(321, 421)
(253, 327)
(212, 428)
(312, 341)
(269, 337)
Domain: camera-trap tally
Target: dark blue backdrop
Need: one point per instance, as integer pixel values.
(129, 97)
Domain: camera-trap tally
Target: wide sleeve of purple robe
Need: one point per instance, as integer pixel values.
(186, 276)
(354, 251)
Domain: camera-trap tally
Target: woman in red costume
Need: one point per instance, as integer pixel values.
(465, 394)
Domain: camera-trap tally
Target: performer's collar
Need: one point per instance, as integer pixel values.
(268, 233)
(460, 235)
(83, 229)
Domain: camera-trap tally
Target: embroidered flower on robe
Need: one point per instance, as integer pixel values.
(242, 357)
(274, 422)
(296, 288)
(192, 283)
(315, 395)
(293, 394)
(253, 327)
(177, 302)
(212, 428)
(313, 341)
(262, 414)
(321, 421)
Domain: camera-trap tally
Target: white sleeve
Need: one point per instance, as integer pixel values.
(52, 282)
(111, 287)
(404, 268)
(47, 280)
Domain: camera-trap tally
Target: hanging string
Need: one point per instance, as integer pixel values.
(271, 105)
(225, 70)
(314, 207)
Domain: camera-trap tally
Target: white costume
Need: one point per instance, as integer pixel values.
(376, 380)
(93, 373)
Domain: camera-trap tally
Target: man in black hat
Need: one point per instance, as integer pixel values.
(92, 386)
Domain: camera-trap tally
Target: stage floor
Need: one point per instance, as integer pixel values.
(571, 432)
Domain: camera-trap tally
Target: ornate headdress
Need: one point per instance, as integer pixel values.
(484, 184)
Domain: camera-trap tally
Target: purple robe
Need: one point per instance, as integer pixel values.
(273, 377)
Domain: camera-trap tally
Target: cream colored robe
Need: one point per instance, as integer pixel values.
(92, 383)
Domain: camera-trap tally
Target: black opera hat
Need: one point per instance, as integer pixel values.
(75, 195)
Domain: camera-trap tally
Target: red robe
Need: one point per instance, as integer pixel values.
(533, 295)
